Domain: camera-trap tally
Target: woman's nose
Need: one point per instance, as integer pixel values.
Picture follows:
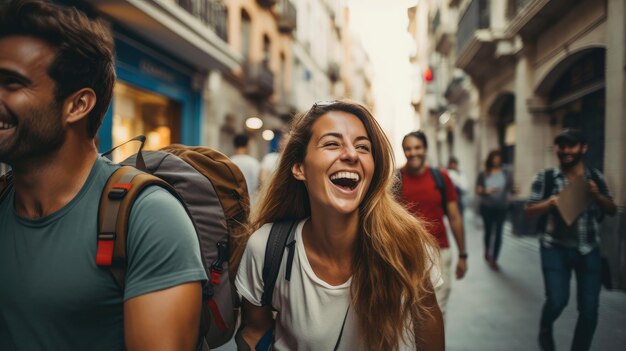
(349, 153)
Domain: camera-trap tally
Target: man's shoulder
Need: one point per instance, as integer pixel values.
(155, 197)
(442, 173)
(548, 171)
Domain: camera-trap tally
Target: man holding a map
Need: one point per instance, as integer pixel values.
(570, 202)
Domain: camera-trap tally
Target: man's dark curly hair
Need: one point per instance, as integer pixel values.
(84, 49)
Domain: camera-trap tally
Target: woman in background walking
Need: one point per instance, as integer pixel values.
(493, 186)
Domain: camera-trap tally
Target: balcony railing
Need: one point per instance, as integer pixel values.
(285, 107)
(258, 80)
(515, 7)
(530, 18)
(210, 12)
(287, 16)
(476, 17)
(436, 21)
(266, 3)
(520, 4)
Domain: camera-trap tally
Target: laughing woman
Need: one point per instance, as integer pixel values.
(362, 273)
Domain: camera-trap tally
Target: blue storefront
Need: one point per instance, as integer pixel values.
(153, 96)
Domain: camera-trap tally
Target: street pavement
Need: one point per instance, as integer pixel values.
(497, 311)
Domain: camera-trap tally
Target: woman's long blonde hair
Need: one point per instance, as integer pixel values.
(391, 267)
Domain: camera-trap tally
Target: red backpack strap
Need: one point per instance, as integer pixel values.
(116, 201)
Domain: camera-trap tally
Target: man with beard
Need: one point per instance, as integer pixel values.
(565, 248)
(56, 81)
(430, 201)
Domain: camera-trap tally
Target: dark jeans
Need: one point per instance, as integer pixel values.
(557, 264)
(493, 220)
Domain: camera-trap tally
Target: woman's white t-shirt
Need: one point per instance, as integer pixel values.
(310, 311)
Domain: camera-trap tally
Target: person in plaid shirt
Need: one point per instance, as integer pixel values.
(565, 248)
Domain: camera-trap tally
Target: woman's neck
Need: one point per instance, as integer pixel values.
(494, 169)
(329, 244)
(332, 235)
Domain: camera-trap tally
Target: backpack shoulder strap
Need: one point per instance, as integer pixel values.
(595, 176)
(441, 187)
(548, 183)
(6, 180)
(281, 236)
(118, 196)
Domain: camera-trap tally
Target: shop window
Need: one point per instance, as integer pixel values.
(140, 112)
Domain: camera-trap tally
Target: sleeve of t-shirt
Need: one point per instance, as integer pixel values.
(162, 246)
(450, 189)
(249, 280)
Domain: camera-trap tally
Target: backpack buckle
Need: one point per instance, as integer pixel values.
(104, 251)
(119, 190)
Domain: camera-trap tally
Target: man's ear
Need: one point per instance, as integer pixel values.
(78, 105)
(584, 148)
(297, 171)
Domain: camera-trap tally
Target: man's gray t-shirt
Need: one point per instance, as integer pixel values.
(54, 297)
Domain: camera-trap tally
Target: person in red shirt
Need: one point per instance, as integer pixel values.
(422, 197)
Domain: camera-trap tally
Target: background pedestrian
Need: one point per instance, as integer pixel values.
(430, 201)
(493, 186)
(566, 248)
(249, 166)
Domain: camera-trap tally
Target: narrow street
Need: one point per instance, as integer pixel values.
(496, 311)
(500, 310)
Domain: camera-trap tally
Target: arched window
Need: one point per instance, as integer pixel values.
(577, 100)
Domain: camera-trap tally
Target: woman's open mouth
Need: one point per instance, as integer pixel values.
(345, 180)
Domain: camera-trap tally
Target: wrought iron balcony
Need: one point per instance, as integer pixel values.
(284, 107)
(476, 41)
(436, 22)
(444, 32)
(258, 80)
(529, 18)
(287, 16)
(476, 17)
(210, 12)
(266, 3)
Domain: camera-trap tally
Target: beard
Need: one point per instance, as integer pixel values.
(37, 134)
(576, 157)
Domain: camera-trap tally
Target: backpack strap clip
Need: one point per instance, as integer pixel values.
(119, 190)
(217, 268)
